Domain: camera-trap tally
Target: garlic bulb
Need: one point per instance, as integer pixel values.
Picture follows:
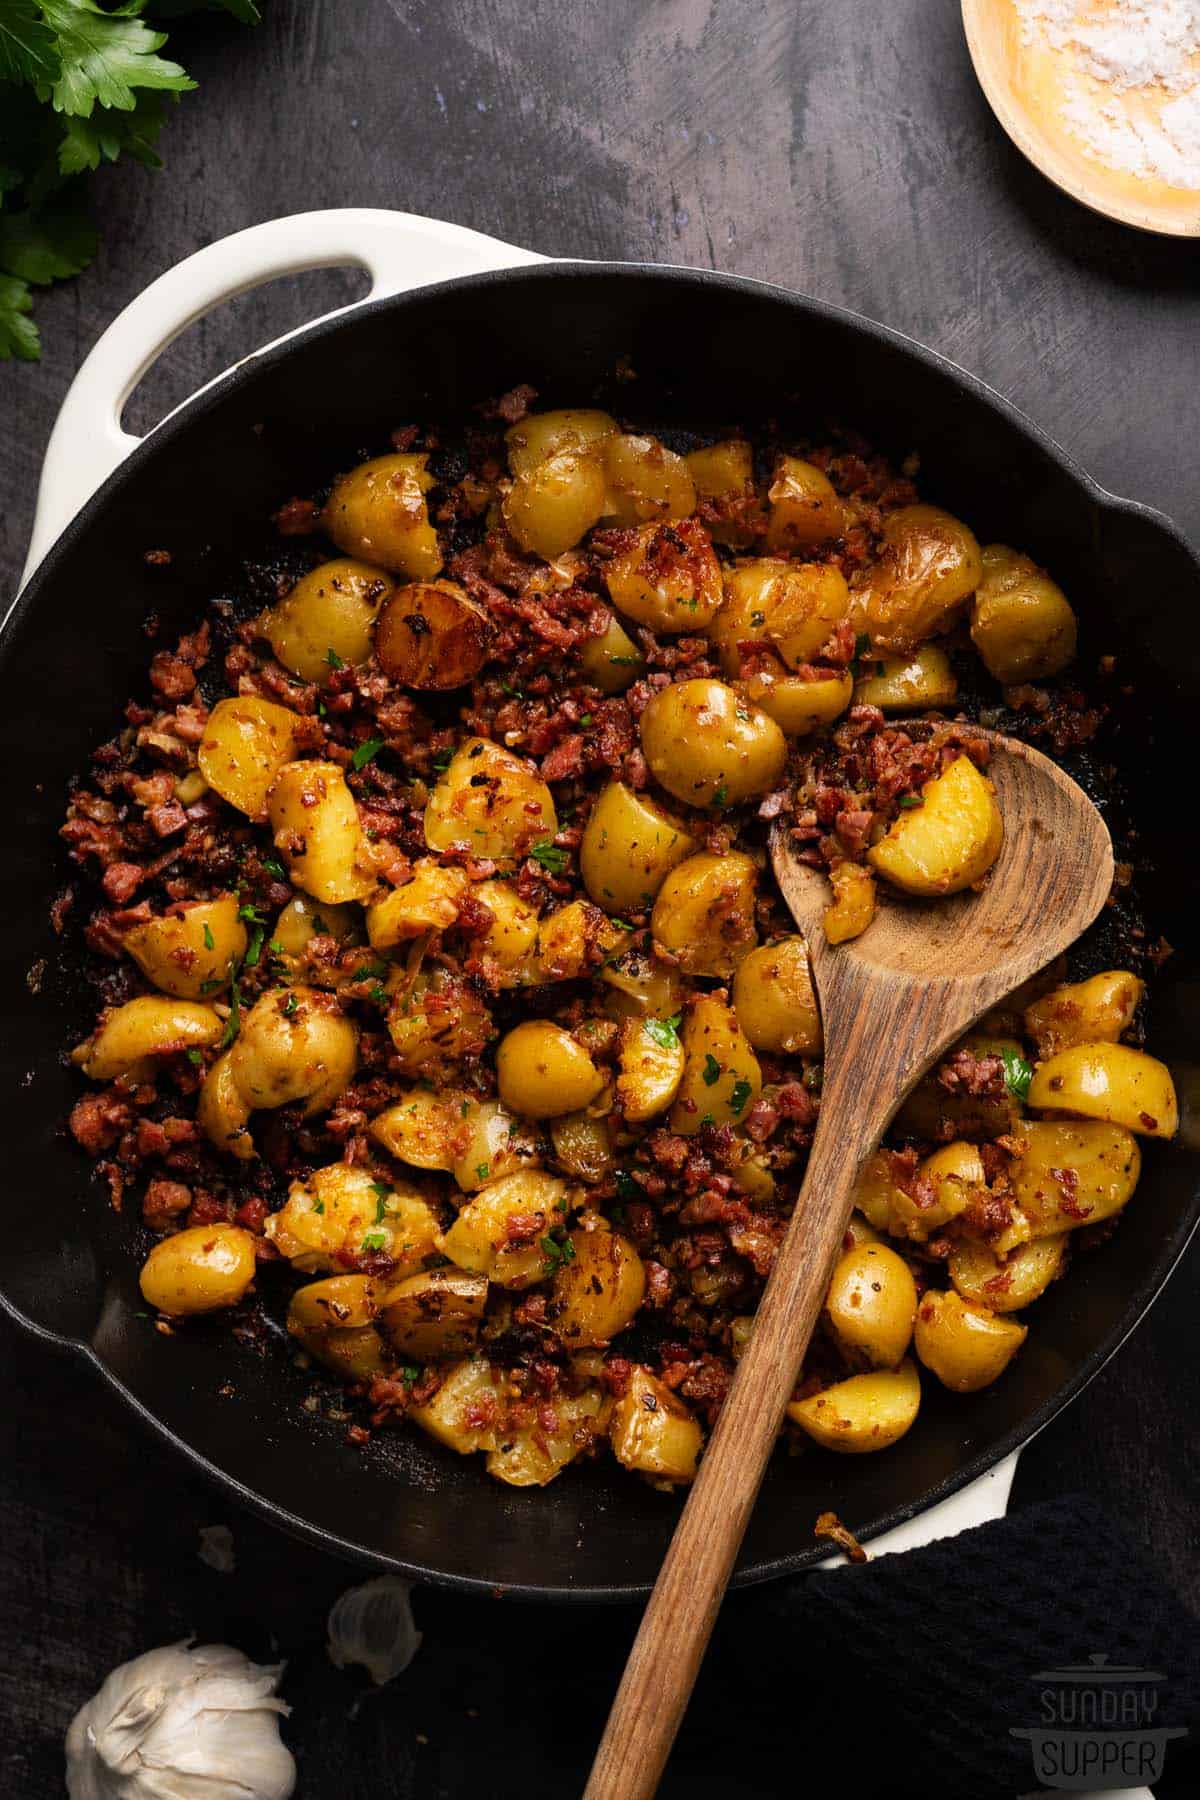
(373, 1625)
(182, 1724)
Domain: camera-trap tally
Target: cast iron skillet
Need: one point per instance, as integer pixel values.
(202, 486)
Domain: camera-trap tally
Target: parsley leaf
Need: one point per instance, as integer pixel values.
(233, 1023)
(551, 858)
(86, 143)
(362, 756)
(28, 51)
(274, 867)
(558, 1252)
(627, 1185)
(1017, 1073)
(254, 947)
(333, 659)
(739, 1095)
(710, 1074)
(909, 801)
(210, 942)
(664, 1032)
(48, 242)
(105, 57)
(374, 1240)
(18, 333)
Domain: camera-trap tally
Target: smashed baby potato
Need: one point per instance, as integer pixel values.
(799, 704)
(549, 509)
(862, 1414)
(345, 1211)
(499, 1230)
(788, 608)
(324, 622)
(1094, 1011)
(193, 950)
(436, 1313)
(947, 843)
(1021, 622)
(804, 509)
(709, 746)
(723, 474)
(853, 905)
(530, 1455)
(646, 482)
(424, 1128)
(582, 1145)
(1073, 1173)
(668, 578)
(490, 1143)
(967, 1347)
(611, 661)
(704, 914)
(510, 937)
(569, 939)
(908, 683)
(304, 918)
(1006, 1284)
(432, 636)
(721, 1076)
(436, 1021)
(538, 436)
(542, 1071)
(652, 1431)
(223, 1112)
(378, 512)
(597, 1290)
(489, 802)
(428, 901)
(630, 845)
(929, 566)
(295, 1044)
(246, 742)
(131, 1037)
(462, 1413)
(334, 1321)
(650, 1059)
(641, 986)
(871, 1306)
(199, 1270)
(318, 832)
(774, 999)
(1110, 1082)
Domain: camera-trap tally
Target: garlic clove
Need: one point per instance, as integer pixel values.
(372, 1625)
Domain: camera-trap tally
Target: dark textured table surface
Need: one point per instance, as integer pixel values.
(844, 150)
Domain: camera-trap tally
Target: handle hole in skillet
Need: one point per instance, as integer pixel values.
(233, 330)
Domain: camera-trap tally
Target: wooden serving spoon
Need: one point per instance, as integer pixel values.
(892, 1002)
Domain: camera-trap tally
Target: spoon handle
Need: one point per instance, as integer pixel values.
(678, 1621)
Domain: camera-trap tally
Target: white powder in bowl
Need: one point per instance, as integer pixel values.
(1146, 48)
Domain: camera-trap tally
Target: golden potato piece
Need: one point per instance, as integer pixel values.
(929, 566)
(542, 1071)
(463, 1413)
(863, 1414)
(853, 905)
(582, 1145)
(724, 476)
(533, 1455)
(304, 918)
(317, 831)
(334, 1321)
(192, 952)
(641, 987)
(646, 481)
(598, 1291)
(650, 1058)
(1021, 622)
(1006, 1284)
(1084, 1012)
(1112, 1082)
(709, 746)
(798, 703)
(788, 608)
(436, 1021)
(947, 843)
(344, 1211)
(131, 1035)
(510, 938)
(805, 509)
(611, 661)
(704, 913)
(653, 1432)
(774, 1000)
(630, 845)
(491, 1143)
(908, 683)
(871, 1305)
(294, 1044)
(967, 1347)
(223, 1112)
(491, 802)
(541, 435)
(199, 1270)
(721, 1077)
(549, 509)
(1073, 1173)
(246, 742)
(435, 1314)
(324, 622)
(668, 578)
(428, 901)
(499, 1231)
(378, 512)
(432, 635)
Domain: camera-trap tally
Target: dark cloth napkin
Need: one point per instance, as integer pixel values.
(907, 1676)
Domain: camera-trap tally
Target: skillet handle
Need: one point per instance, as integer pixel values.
(398, 251)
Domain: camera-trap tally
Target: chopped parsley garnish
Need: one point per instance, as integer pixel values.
(481, 1171)
(383, 1194)
(318, 1206)
(211, 985)
(710, 1074)
(210, 942)
(333, 659)
(254, 947)
(585, 721)
(442, 760)
(195, 1056)
(274, 867)
(664, 1032)
(627, 1185)
(410, 1373)
(275, 947)
(908, 801)
(233, 1023)
(290, 1006)
(251, 915)
(739, 1096)
(626, 662)
(379, 994)
(558, 1252)
(374, 1240)
(721, 795)
(366, 751)
(1017, 1073)
(551, 858)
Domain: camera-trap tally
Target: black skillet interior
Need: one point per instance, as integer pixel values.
(652, 344)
